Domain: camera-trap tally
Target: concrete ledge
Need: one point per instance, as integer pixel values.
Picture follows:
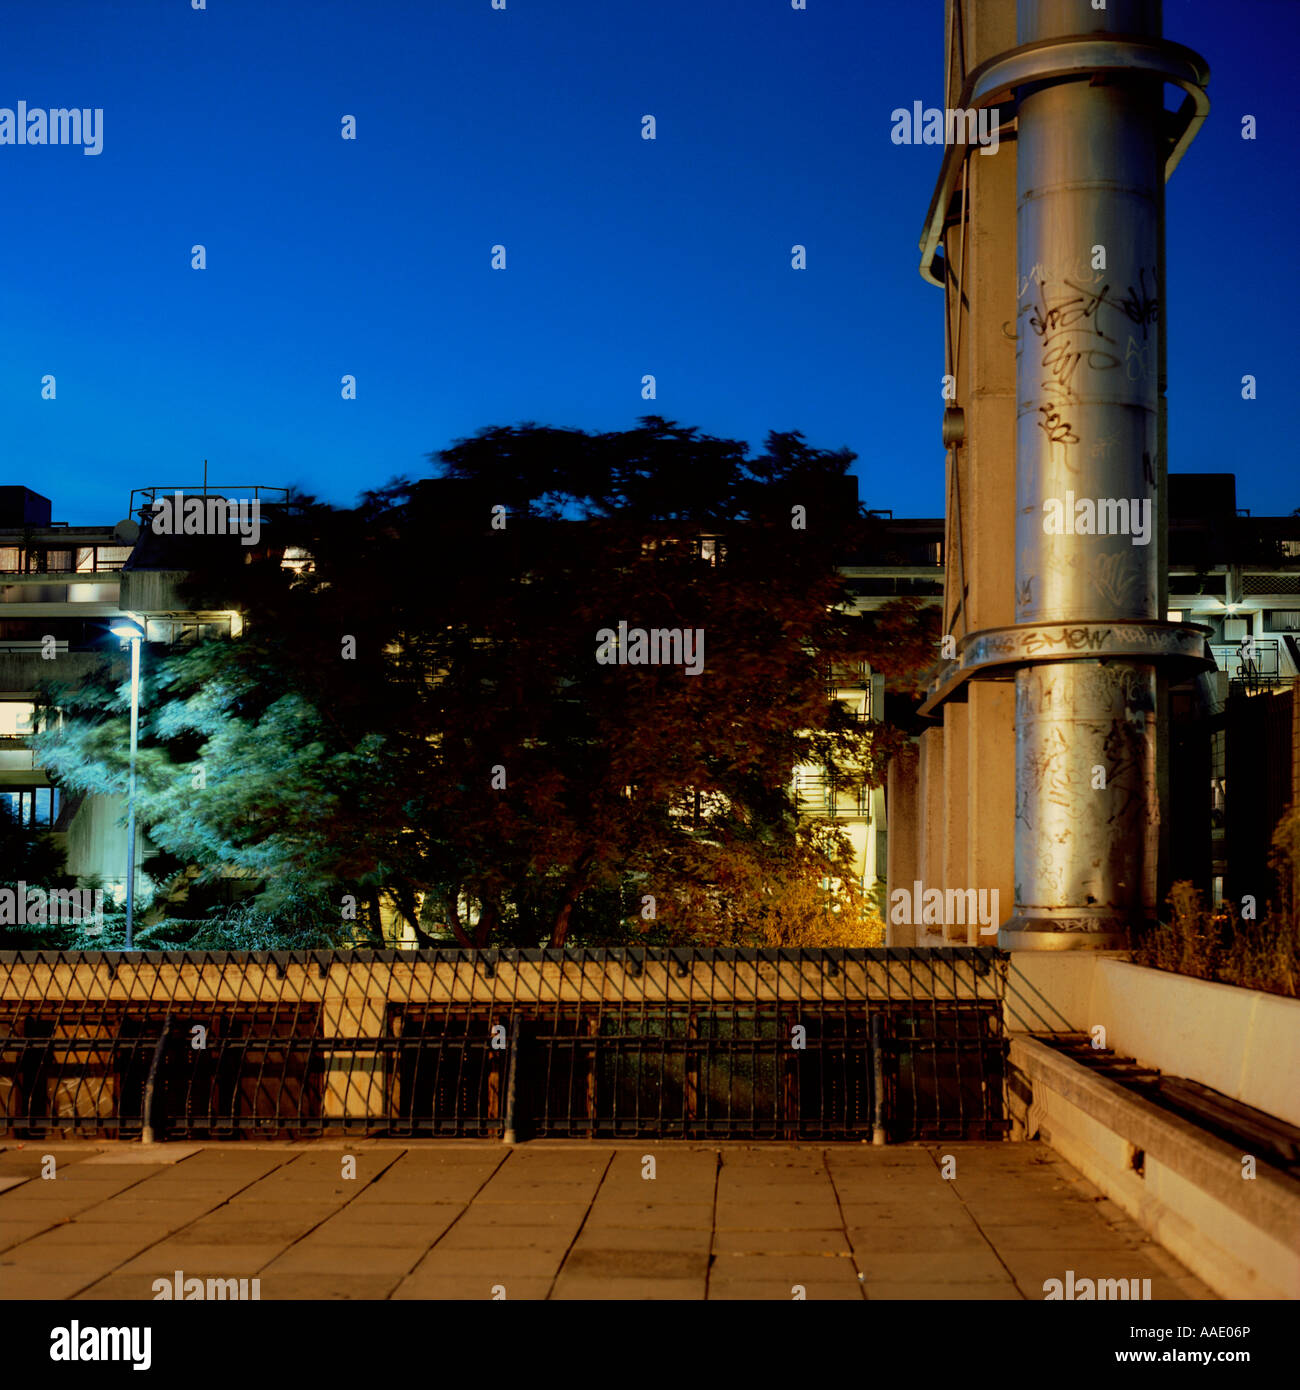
(1241, 1236)
(352, 985)
(1242, 1042)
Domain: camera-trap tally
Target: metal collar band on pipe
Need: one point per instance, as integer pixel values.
(997, 653)
(997, 81)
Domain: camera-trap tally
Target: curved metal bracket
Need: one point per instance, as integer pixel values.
(1052, 60)
(996, 653)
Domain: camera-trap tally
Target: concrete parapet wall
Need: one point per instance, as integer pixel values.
(1185, 1187)
(1241, 1042)
(361, 979)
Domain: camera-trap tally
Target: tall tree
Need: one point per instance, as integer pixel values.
(425, 714)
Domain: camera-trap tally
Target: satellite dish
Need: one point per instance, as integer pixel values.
(127, 531)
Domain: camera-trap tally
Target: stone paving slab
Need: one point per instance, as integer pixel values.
(689, 1216)
(318, 1257)
(819, 1243)
(432, 1216)
(136, 1155)
(437, 1220)
(437, 1287)
(559, 1215)
(776, 1291)
(490, 1267)
(647, 1289)
(922, 1293)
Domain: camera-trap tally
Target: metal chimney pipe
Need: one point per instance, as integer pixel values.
(1090, 472)
(1089, 650)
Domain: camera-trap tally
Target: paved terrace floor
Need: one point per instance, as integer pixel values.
(450, 1220)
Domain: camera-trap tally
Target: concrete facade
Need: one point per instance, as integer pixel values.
(61, 588)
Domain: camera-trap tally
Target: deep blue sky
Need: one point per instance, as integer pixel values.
(625, 256)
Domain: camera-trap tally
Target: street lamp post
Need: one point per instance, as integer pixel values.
(134, 634)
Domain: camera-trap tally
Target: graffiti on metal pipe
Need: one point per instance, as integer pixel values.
(1031, 643)
(1115, 579)
(1126, 754)
(1057, 429)
(1137, 360)
(1136, 304)
(1080, 270)
(1069, 327)
(1062, 359)
(1083, 637)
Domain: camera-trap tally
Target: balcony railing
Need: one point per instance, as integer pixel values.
(1243, 663)
(66, 559)
(816, 797)
(15, 756)
(143, 498)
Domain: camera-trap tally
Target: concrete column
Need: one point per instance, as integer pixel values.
(981, 306)
(1295, 742)
(992, 781)
(956, 807)
(930, 869)
(903, 847)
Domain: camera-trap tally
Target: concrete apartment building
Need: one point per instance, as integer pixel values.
(905, 561)
(62, 586)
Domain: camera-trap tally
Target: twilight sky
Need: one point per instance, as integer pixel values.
(625, 256)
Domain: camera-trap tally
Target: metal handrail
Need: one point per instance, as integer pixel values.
(680, 1042)
(259, 490)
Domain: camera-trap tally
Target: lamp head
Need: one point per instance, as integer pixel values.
(127, 630)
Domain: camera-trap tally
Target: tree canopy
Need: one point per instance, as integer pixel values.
(422, 716)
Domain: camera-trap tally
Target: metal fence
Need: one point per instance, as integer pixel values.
(898, 1044)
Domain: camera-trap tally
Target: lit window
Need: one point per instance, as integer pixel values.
(31, 806)
(712, 550)
(111, 557)
(16, 719)
(298, 560)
